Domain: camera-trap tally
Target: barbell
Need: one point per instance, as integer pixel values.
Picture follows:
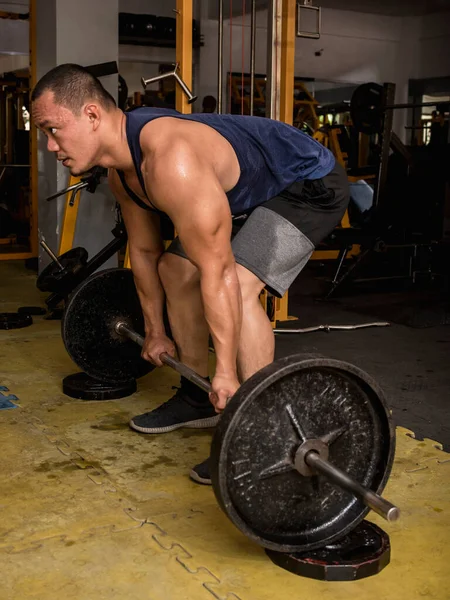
(303, 449)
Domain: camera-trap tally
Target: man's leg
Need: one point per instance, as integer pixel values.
(190, 331)
(181, 282)
(190, 406)
(257, 341)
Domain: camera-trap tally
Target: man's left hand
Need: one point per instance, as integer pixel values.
(223, 388)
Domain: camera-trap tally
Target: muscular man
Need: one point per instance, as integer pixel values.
(200, 170)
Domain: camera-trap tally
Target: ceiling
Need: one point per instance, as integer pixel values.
(399, 8)
(15, 6)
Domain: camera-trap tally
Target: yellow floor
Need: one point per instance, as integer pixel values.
(92, 510)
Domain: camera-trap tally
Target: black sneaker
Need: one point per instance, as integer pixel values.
(175, 413)
(200, 473)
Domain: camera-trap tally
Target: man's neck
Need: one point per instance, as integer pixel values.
(116, 153)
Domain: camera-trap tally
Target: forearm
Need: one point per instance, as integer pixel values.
(149, 289)
(222, 303)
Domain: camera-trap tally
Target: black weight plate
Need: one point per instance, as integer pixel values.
(288, 512)
(363, 552)
(32, 310)
(88, 327)
(83, 387)
(365, 108)
(15, 320)
(53, 279)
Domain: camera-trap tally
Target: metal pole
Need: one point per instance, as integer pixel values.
(328, 328)
(287, 62)
(252, 55)
(220, 61)
(413, 105)
(381, 506)
(183, 51)
(273, 59)
(389, 96)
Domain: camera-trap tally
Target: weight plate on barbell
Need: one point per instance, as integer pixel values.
(253, 449)
(62, 281)
(365, 108)
(88, 327)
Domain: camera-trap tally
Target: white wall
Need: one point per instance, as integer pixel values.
(142, 61)
(435, 46)
(64, 34)
(356, 47)
(14, 36)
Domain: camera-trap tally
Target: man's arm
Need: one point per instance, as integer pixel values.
(185, 186)
(145, 248)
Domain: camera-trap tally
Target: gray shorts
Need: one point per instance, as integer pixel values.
(276, 240)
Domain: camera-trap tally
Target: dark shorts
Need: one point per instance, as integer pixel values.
(277, 238)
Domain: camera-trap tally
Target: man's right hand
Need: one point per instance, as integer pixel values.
(154, 346)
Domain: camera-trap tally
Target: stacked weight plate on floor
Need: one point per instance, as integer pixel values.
(83, 387)
(363, 552)
(326, 406)
(15, 320)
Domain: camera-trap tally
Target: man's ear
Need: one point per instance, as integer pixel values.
(93, 112)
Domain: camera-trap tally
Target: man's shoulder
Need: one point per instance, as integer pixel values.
(169, 134)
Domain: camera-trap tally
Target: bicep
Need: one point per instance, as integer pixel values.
(189, 192)
(205, 228)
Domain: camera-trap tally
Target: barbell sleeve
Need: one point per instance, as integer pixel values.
(371, 499)
(51, 254)
(123, 329)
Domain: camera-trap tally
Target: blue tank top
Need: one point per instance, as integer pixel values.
(272, 155)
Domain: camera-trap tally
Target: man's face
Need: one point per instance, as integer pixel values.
(73, 138)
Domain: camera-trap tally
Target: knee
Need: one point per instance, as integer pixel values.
(176, 273)
(251, 286)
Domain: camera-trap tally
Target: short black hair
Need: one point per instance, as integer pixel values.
(72, 86)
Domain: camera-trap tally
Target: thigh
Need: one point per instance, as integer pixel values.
(272, 248)
(278, 238)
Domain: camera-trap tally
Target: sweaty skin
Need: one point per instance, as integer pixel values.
(187, 167)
